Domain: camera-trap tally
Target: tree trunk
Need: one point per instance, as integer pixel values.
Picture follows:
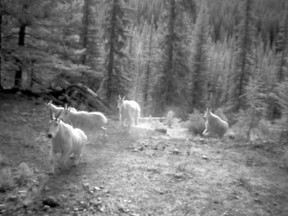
(169, 64)
(1, 45)
(85, 29)
(110, 84)
(21, 43)
(284, 51)
(147, 76)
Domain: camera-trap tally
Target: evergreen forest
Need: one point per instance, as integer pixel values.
(180, 55)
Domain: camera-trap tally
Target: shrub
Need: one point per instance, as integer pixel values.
(6, 179)
(196, 123)
(24, 173)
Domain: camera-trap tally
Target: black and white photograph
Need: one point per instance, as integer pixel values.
(144, 107)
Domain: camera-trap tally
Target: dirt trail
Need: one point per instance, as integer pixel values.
(145, 173)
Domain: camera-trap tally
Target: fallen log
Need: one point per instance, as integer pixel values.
(145, 119)
(88, 97)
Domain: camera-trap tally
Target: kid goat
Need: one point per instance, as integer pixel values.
(214, 125)
(66, 140)
(86, 121)
(129, 112)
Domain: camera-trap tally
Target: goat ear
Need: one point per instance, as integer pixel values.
(119, 97)
(123, 98)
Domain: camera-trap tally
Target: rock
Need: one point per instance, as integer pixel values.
(46, 188)
(179, 176)
(22, 193)
(176, 151)
(2, 207)
(46, 208)
(204, 157)
(12, 198)
(86, 186)
(83, 204)
(51, 201)
(29, 212)
(94, 202)
(96, 188)
(27, 202)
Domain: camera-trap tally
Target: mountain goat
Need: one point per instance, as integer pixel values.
(129, 112)
(214, 125)
(56, 109)
(86, 121)
(65, 139)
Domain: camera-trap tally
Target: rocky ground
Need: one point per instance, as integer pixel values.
(145, 173)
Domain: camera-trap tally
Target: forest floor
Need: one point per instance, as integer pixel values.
(144, 173)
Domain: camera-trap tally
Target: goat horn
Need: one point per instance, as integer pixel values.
(51, 114)
(59, 114)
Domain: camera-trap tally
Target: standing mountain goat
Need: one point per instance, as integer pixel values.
(129, 112)
(66, 140)
(56, 109)
(214, 125)
(86, 121)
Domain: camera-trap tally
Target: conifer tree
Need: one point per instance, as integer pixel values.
(282, 49)
(282, 100)
(169, 89)
(244, 57)
(255, 100)
(91, 39)
(1, 55)
(148, 69)
(198, 77)
(117, 80)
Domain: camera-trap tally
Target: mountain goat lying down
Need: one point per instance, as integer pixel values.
(129, 112)
(66, 140)
(214, 125)
(89, 122)
(56, 109)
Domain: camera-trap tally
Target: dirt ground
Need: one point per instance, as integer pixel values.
(144, 173)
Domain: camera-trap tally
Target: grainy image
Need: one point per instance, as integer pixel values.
(144, 107)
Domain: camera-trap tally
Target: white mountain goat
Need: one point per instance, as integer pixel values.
(129, 112)
(89, 122)
(56, 109)
(214, 125)
(66, 140)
